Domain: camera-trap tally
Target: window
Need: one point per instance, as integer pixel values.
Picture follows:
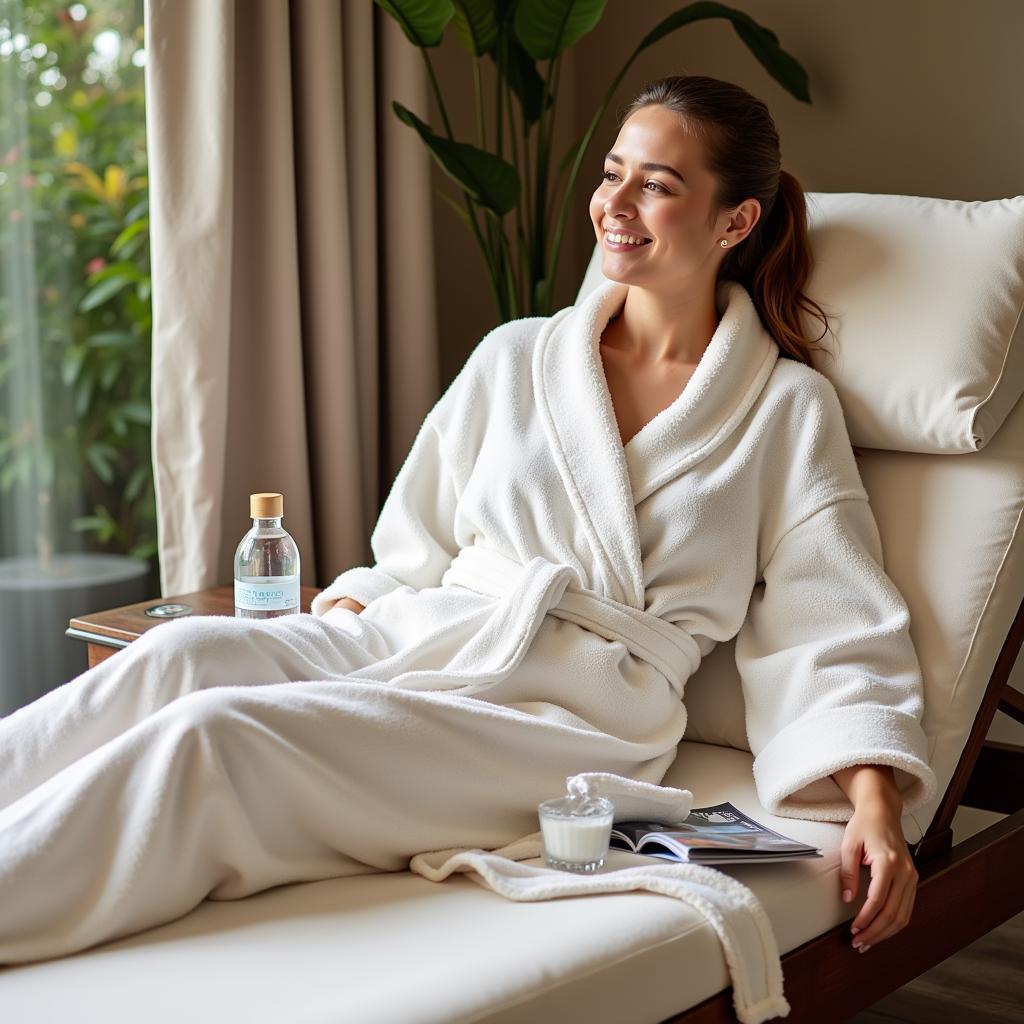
(77, 511)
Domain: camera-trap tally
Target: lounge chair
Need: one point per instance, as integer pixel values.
(930, 371)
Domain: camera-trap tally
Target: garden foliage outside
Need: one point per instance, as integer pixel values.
(75, 309)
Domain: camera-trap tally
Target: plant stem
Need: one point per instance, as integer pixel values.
(493, 275)
(556, 76)
(524, 200)
(499, 135)
(510, 301)
(515, 307)
(478, 95)
(492, 272)
(549, 271)
(437, 93)
(510, 306)
(522, 266)
(498, 271)
(582, 151)
(540, 188)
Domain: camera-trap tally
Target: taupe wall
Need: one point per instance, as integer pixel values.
(919, 97)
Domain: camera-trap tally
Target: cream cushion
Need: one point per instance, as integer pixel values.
(394, 948)
(925, 298)
(928, 294)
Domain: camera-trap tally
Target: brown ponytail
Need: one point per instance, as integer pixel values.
(741, 148)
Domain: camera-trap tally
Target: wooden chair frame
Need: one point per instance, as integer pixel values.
(964, 891)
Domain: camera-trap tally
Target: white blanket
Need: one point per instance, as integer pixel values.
(732, 909)
(736, 915)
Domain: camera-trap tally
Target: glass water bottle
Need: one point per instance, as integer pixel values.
(266, 563)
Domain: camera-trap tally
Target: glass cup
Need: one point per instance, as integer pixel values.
(575, 832)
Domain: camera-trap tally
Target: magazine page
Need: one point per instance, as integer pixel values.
(718, 833)
(709, 857)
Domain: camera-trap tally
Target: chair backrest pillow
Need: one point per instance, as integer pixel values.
(925, 298)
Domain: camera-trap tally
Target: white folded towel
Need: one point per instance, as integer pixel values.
(734, 912)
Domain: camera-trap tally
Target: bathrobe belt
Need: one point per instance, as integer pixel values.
(671, 650)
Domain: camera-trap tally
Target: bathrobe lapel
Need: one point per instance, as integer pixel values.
(606, 480)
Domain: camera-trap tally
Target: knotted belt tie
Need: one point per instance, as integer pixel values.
(671, 650)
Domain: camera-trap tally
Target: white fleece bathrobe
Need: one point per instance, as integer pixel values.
(540, 596)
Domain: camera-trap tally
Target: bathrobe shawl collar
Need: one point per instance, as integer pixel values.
(606, 480)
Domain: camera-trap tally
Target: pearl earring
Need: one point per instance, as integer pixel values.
(724, 243)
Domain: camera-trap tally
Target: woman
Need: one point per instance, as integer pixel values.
(598, 499)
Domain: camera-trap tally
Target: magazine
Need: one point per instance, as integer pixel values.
(710, 835)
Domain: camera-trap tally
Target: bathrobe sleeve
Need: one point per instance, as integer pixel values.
(829, 673)
(415, 538)
(413, 542)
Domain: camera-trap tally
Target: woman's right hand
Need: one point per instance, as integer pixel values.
(349, 603)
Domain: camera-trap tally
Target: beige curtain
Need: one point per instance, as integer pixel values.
(294, 339)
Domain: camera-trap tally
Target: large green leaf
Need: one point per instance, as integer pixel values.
(137, 412)
(519, 70)
(128, 234)
(140, 209)
(112, 339)
(140, 476)
(102, 292)
(145, 549)
(119, 269)
(71, 365)
(118, 425)
(491, 181)
(101, 457)
(547, 27)
(108, 375)
(83, 394)
(422, 21)
(476, 27)
(762, 42)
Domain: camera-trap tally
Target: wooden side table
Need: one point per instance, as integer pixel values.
(108, 631)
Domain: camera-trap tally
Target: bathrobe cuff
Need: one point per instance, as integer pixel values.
(362, 583)
(799, 786)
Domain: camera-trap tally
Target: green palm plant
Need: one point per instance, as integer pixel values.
(516, 35)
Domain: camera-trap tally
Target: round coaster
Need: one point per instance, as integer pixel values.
(168, 611)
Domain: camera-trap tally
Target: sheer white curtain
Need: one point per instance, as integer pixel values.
(290, 213)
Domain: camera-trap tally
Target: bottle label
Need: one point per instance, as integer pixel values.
(267, 593)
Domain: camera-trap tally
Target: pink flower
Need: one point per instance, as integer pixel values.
(28, 181)
(95, 265)
(14, 216)
(11, 155)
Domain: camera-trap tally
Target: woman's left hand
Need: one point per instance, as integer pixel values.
(874, 837)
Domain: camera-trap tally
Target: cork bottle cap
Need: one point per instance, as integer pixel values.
(266, 505)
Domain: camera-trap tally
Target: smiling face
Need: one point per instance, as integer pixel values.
(668, 204)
